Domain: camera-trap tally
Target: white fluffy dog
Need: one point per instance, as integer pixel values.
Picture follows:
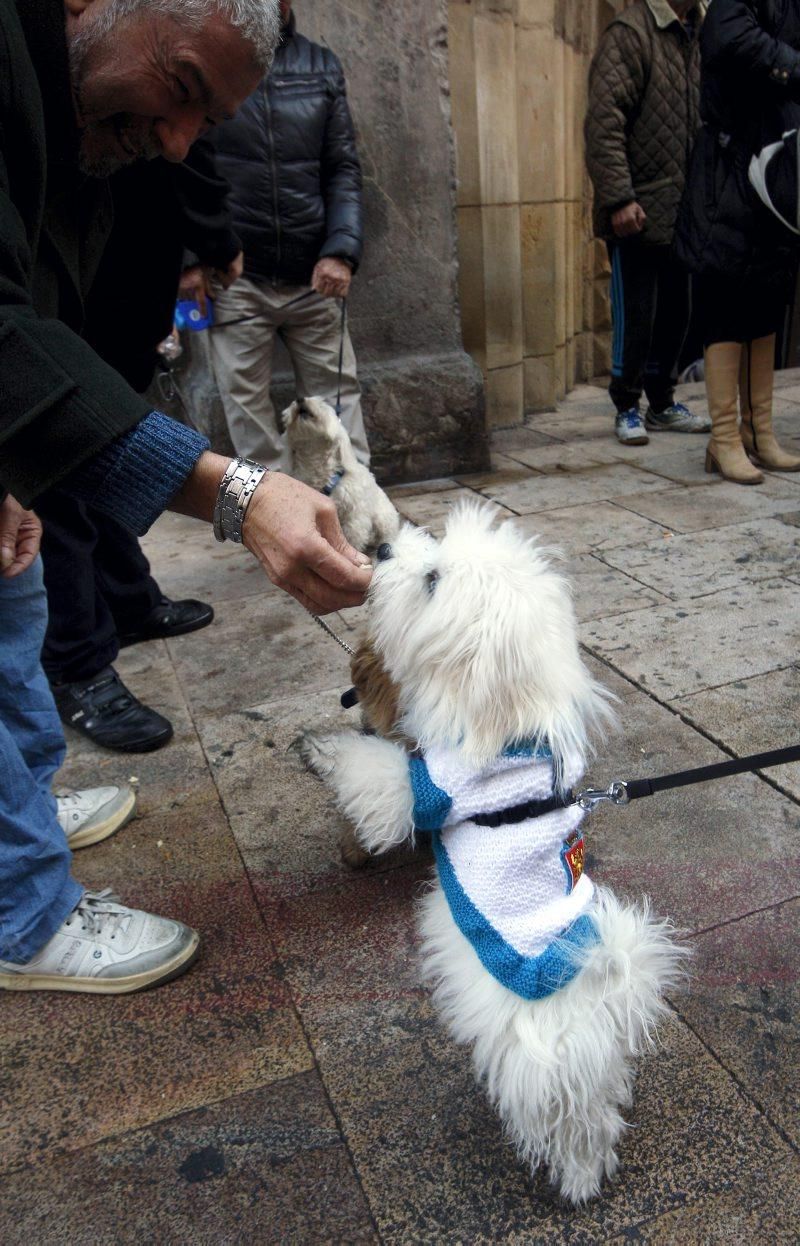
(471, 666)
(323, 457)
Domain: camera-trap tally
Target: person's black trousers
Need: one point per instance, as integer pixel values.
(98, 584)
(650, 309)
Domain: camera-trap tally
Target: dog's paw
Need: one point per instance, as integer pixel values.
(352, 853)
(318, 753)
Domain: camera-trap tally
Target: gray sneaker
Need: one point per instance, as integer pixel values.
(677, 418)
(106, 949)
(95, 813)
(629, 428)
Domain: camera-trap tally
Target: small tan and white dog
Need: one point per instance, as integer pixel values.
(322, 457)
(471, 672)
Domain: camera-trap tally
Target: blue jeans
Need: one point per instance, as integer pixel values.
(37, 890)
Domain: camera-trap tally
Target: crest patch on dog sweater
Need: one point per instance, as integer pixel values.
(572, 854)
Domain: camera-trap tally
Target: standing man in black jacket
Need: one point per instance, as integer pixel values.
(290, 157)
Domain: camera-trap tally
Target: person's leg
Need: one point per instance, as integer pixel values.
(241, 357)
(139, 608)
(670, 324)
(634, 282)
(673, 311)
(81, 635)
(756, 382)
(720, 317)
(122, 574)
(37, 890)
(312, 331)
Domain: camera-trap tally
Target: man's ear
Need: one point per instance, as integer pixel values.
(75, 8)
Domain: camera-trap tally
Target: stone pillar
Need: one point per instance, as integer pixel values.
(532, 279)
(423, 394)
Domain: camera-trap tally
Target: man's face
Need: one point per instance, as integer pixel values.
(149, 88)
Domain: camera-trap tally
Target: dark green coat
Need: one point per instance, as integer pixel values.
(59, 403)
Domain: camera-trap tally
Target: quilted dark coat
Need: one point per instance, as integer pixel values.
(750, 94)
(290, 157)
(643, 114)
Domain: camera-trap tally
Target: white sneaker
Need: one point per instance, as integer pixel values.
(95, 813)
(105, 948)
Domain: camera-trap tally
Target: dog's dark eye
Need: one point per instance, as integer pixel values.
(431, 580)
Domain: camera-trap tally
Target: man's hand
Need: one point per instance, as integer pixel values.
(195, 286)
(628, 220)
(294, 533)
(20, 538)
(331, 277)
(200, 282)
(225, 277)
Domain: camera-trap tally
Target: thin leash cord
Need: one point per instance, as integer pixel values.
(338, 407)
(332, 633)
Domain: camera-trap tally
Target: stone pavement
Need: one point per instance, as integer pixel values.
(295, 1086)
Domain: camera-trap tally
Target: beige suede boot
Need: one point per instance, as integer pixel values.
(755, 396)
(725, 453)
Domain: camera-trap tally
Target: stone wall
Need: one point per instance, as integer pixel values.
(533, 282)
(423, 394)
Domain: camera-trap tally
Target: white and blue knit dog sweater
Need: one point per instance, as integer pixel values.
(516, 890)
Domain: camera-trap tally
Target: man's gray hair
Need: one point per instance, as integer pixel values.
(257, 20)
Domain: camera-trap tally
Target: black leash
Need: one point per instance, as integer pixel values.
(622, 791)
(338, 407)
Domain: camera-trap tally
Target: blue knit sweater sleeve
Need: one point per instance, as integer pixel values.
(134, 478)
(431, 803)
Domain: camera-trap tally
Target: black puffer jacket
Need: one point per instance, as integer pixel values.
(290, 157)
(750, 94)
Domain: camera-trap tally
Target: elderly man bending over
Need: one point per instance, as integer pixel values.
(87, 86)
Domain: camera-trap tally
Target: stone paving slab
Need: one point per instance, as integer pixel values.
(431, 510)
(596, 484)
(78, 1068)
(746, 631)
(259, 646)
(592, 528)
(753, 716)
(208, 570)
(744, 1001)
(599, 591)
(700, 563)
(267, 1167)
(714, 505)
(286, 825)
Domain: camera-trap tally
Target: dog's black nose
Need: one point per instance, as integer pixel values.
(383, 552)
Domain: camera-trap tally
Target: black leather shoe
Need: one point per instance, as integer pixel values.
(169, 618)
(103, 709)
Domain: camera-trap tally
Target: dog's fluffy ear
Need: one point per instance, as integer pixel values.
(500, 659)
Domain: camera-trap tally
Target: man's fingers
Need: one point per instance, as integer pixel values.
(329, 526)
(9, 535)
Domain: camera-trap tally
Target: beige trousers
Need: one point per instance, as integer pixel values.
(241, 357)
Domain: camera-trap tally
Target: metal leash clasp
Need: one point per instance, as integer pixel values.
(616, 792)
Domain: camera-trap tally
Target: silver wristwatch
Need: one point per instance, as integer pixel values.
(241, 479)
